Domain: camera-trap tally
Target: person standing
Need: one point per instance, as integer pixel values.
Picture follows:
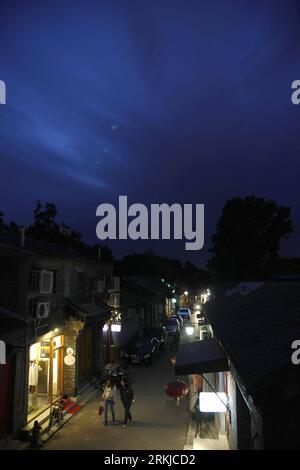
(36, 440)
(127, 399)
(109, 397)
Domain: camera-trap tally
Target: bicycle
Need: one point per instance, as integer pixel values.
(56, 414)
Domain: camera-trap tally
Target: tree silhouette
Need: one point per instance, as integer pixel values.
(248, 235)
(2, 226)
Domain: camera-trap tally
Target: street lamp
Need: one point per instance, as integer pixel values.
(108, 329)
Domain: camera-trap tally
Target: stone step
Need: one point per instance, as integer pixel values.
(86, 394)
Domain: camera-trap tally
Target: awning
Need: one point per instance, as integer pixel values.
(90, 311)
(200, 357)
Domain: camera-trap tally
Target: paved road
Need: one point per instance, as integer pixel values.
(158, 424)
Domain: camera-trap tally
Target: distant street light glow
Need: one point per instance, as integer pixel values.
(189, 330)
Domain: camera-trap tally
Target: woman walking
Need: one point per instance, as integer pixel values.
(109, 397)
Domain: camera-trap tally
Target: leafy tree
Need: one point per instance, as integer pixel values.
(175, 274)
(248, 235)
(12, 227)
(45, 227)
(44, 218)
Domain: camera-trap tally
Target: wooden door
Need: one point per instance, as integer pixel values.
(7, 375)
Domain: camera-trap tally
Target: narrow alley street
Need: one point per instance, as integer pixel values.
(157, 422)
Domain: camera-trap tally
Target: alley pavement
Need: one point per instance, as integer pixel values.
(158, 423)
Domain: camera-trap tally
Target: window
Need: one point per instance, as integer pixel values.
(114, 300)
(114, 283)
(46, 282)
(92, 283)
(42, 281)
(35, 281)
(80, 281)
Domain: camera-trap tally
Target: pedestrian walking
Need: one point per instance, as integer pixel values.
(109, 398)
(127, 398)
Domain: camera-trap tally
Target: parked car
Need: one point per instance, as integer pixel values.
(158, 332)
(204, 332)
(143, 351)
(201, 319)
(179, 318)
(172, 326)
(185, 313)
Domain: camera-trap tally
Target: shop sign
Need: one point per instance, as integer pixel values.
(69, 359)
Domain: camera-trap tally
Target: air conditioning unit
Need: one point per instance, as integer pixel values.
(42, 310)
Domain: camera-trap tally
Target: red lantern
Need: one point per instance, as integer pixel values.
(176, 390)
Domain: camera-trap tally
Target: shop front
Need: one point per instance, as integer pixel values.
(45, 373)
(207, 367)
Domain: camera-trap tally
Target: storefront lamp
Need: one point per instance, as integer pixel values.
(186, 292)
(116, 327)
(213, 402)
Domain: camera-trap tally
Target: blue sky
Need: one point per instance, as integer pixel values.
(164, 101)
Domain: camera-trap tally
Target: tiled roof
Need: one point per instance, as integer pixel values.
(39, 246)
(10, 321)
(257, 331)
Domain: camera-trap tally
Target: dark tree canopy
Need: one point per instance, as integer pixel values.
(46, 228)
(171, 270)
(248, 235)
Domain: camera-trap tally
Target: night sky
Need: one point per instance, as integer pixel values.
(164, 101)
